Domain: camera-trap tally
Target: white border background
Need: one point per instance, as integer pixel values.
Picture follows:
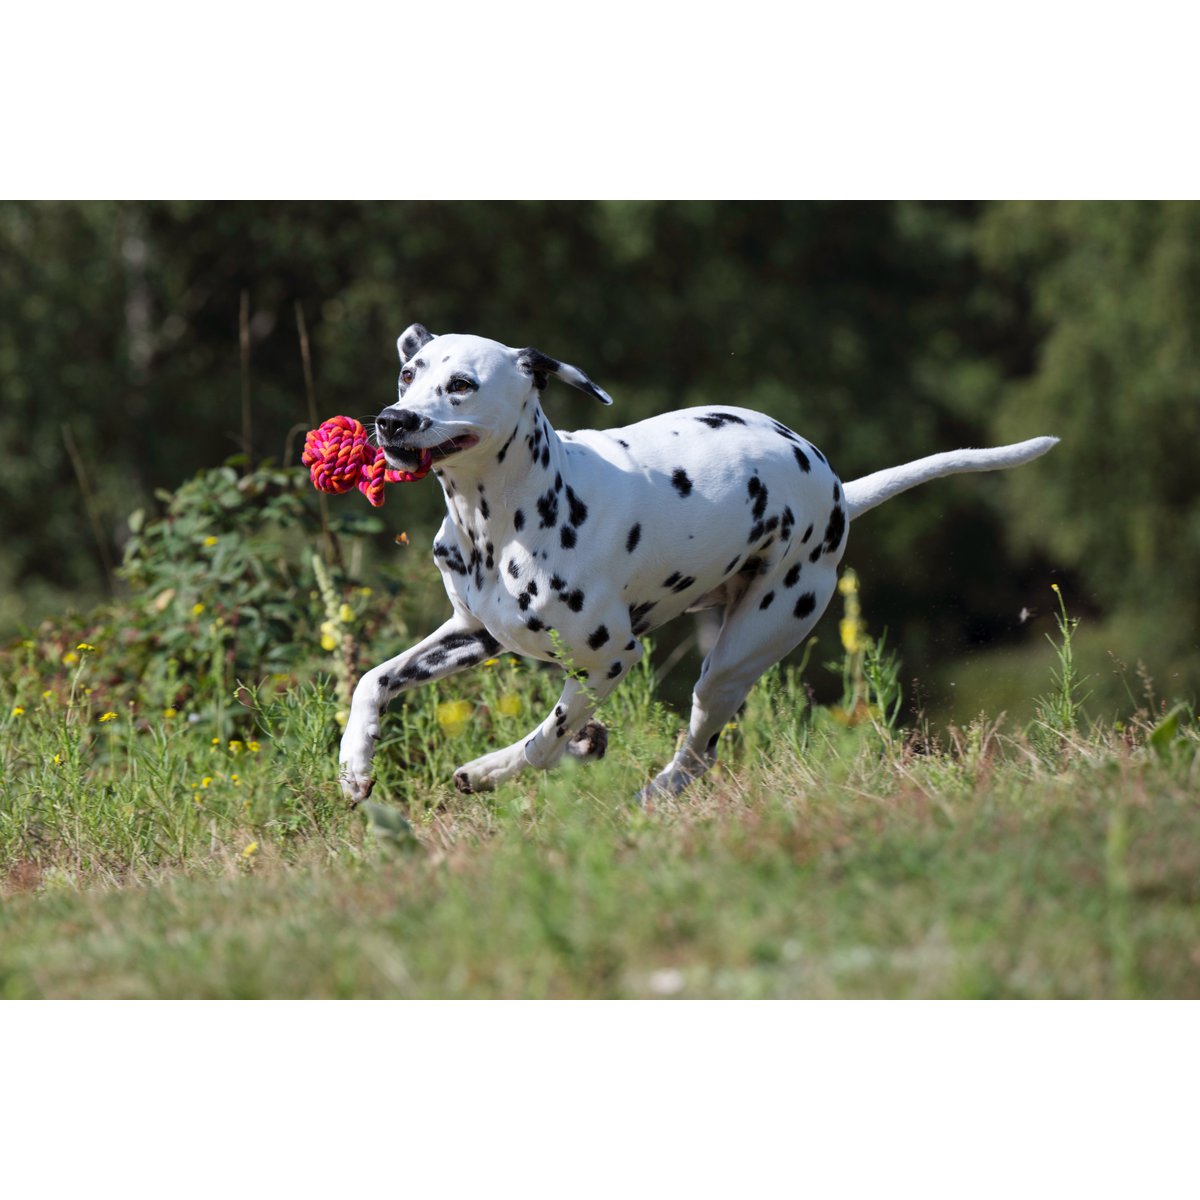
(857, 100)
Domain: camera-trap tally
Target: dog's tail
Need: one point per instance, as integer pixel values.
(865, 493)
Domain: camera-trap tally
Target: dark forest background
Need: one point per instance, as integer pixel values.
(882, 332)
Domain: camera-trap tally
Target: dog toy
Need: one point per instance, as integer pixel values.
(339, 457)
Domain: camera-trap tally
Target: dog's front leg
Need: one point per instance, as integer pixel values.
(569, 728)
(460, 643)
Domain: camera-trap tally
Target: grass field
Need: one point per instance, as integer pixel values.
(826, 857)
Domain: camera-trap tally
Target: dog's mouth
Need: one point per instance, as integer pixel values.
(419, 459)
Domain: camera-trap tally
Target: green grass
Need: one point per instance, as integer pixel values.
(821, 860)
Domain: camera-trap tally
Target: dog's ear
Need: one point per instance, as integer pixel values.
(411, 340)
(534, 362)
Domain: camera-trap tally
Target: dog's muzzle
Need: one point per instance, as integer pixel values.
(399, 431)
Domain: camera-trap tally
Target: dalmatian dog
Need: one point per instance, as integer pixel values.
(571, 547)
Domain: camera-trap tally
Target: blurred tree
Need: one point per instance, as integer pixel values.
(881, 331)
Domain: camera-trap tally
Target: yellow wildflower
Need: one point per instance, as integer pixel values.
(363, 591)
(205, 781)
(57, 760)
(345, 614)
(510, 704)
(251, 850)
(170, 713)
(490, 662)
(848, 584)
(210, 540)
(47, 694)
(108, 716)
(253, 747)
(328, 642)
(216, 741)
(197, 609)
(853, 633)
(85, 647)
(341, 717)
(236, 780)
(235, 746)
(453, 715)
(18, 711)
(70, 658)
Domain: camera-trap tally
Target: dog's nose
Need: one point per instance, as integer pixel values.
(394, 423)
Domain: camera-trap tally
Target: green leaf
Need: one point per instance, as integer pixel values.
(1167, 730)
(389, 825)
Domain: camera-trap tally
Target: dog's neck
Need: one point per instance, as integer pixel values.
(483, 497)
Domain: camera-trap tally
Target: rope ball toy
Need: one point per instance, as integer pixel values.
(339, 456)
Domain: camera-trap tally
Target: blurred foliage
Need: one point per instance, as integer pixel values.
(882, 331)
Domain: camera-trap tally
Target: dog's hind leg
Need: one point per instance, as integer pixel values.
(456, 645)
(776, 613)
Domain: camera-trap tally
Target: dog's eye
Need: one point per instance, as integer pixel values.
(406, 376)
(460, 385)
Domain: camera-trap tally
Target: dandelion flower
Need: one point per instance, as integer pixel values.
(106, 717)
(47, 694)
(345, 614)
(18, 711)
(57, 760)
(210, 540)
(197, 609)
(170, 713)
(453, 715)
(85, 646)
(253, 747)
(328, 642)
(70, 658)
(510, 704)
(235, 746)
(251, 850)
(216, 741)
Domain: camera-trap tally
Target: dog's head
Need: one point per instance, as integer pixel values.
(458, 392)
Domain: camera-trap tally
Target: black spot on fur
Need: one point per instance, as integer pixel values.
(817, 549)
(484, 510)
(532, 587)
(818, 453)
(792, 577)
(635, 536)
(566, 535)
(836, 529)
(671, 580)
(631, 646)
(807, 534)
(547, 507)
(534, 624)
(504, 448)
(573, 600)
(557, 582)
(518, 519)
(766, 600)
(837, 491)
(733, 562)
(802, 459)
(683, 584)
(804, 606)
(680, 482)
(545, 457)
(638, 617)
(578, 510)
(715, 420)
(513, 569)
(614, 670)
(785, 432)
(598, 637)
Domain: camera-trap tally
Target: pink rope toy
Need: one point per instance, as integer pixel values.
(339, 457)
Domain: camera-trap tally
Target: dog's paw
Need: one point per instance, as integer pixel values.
(590, 742)
(483, 774)
(355, 787)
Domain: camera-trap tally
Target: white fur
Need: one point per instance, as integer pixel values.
(570, 547)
